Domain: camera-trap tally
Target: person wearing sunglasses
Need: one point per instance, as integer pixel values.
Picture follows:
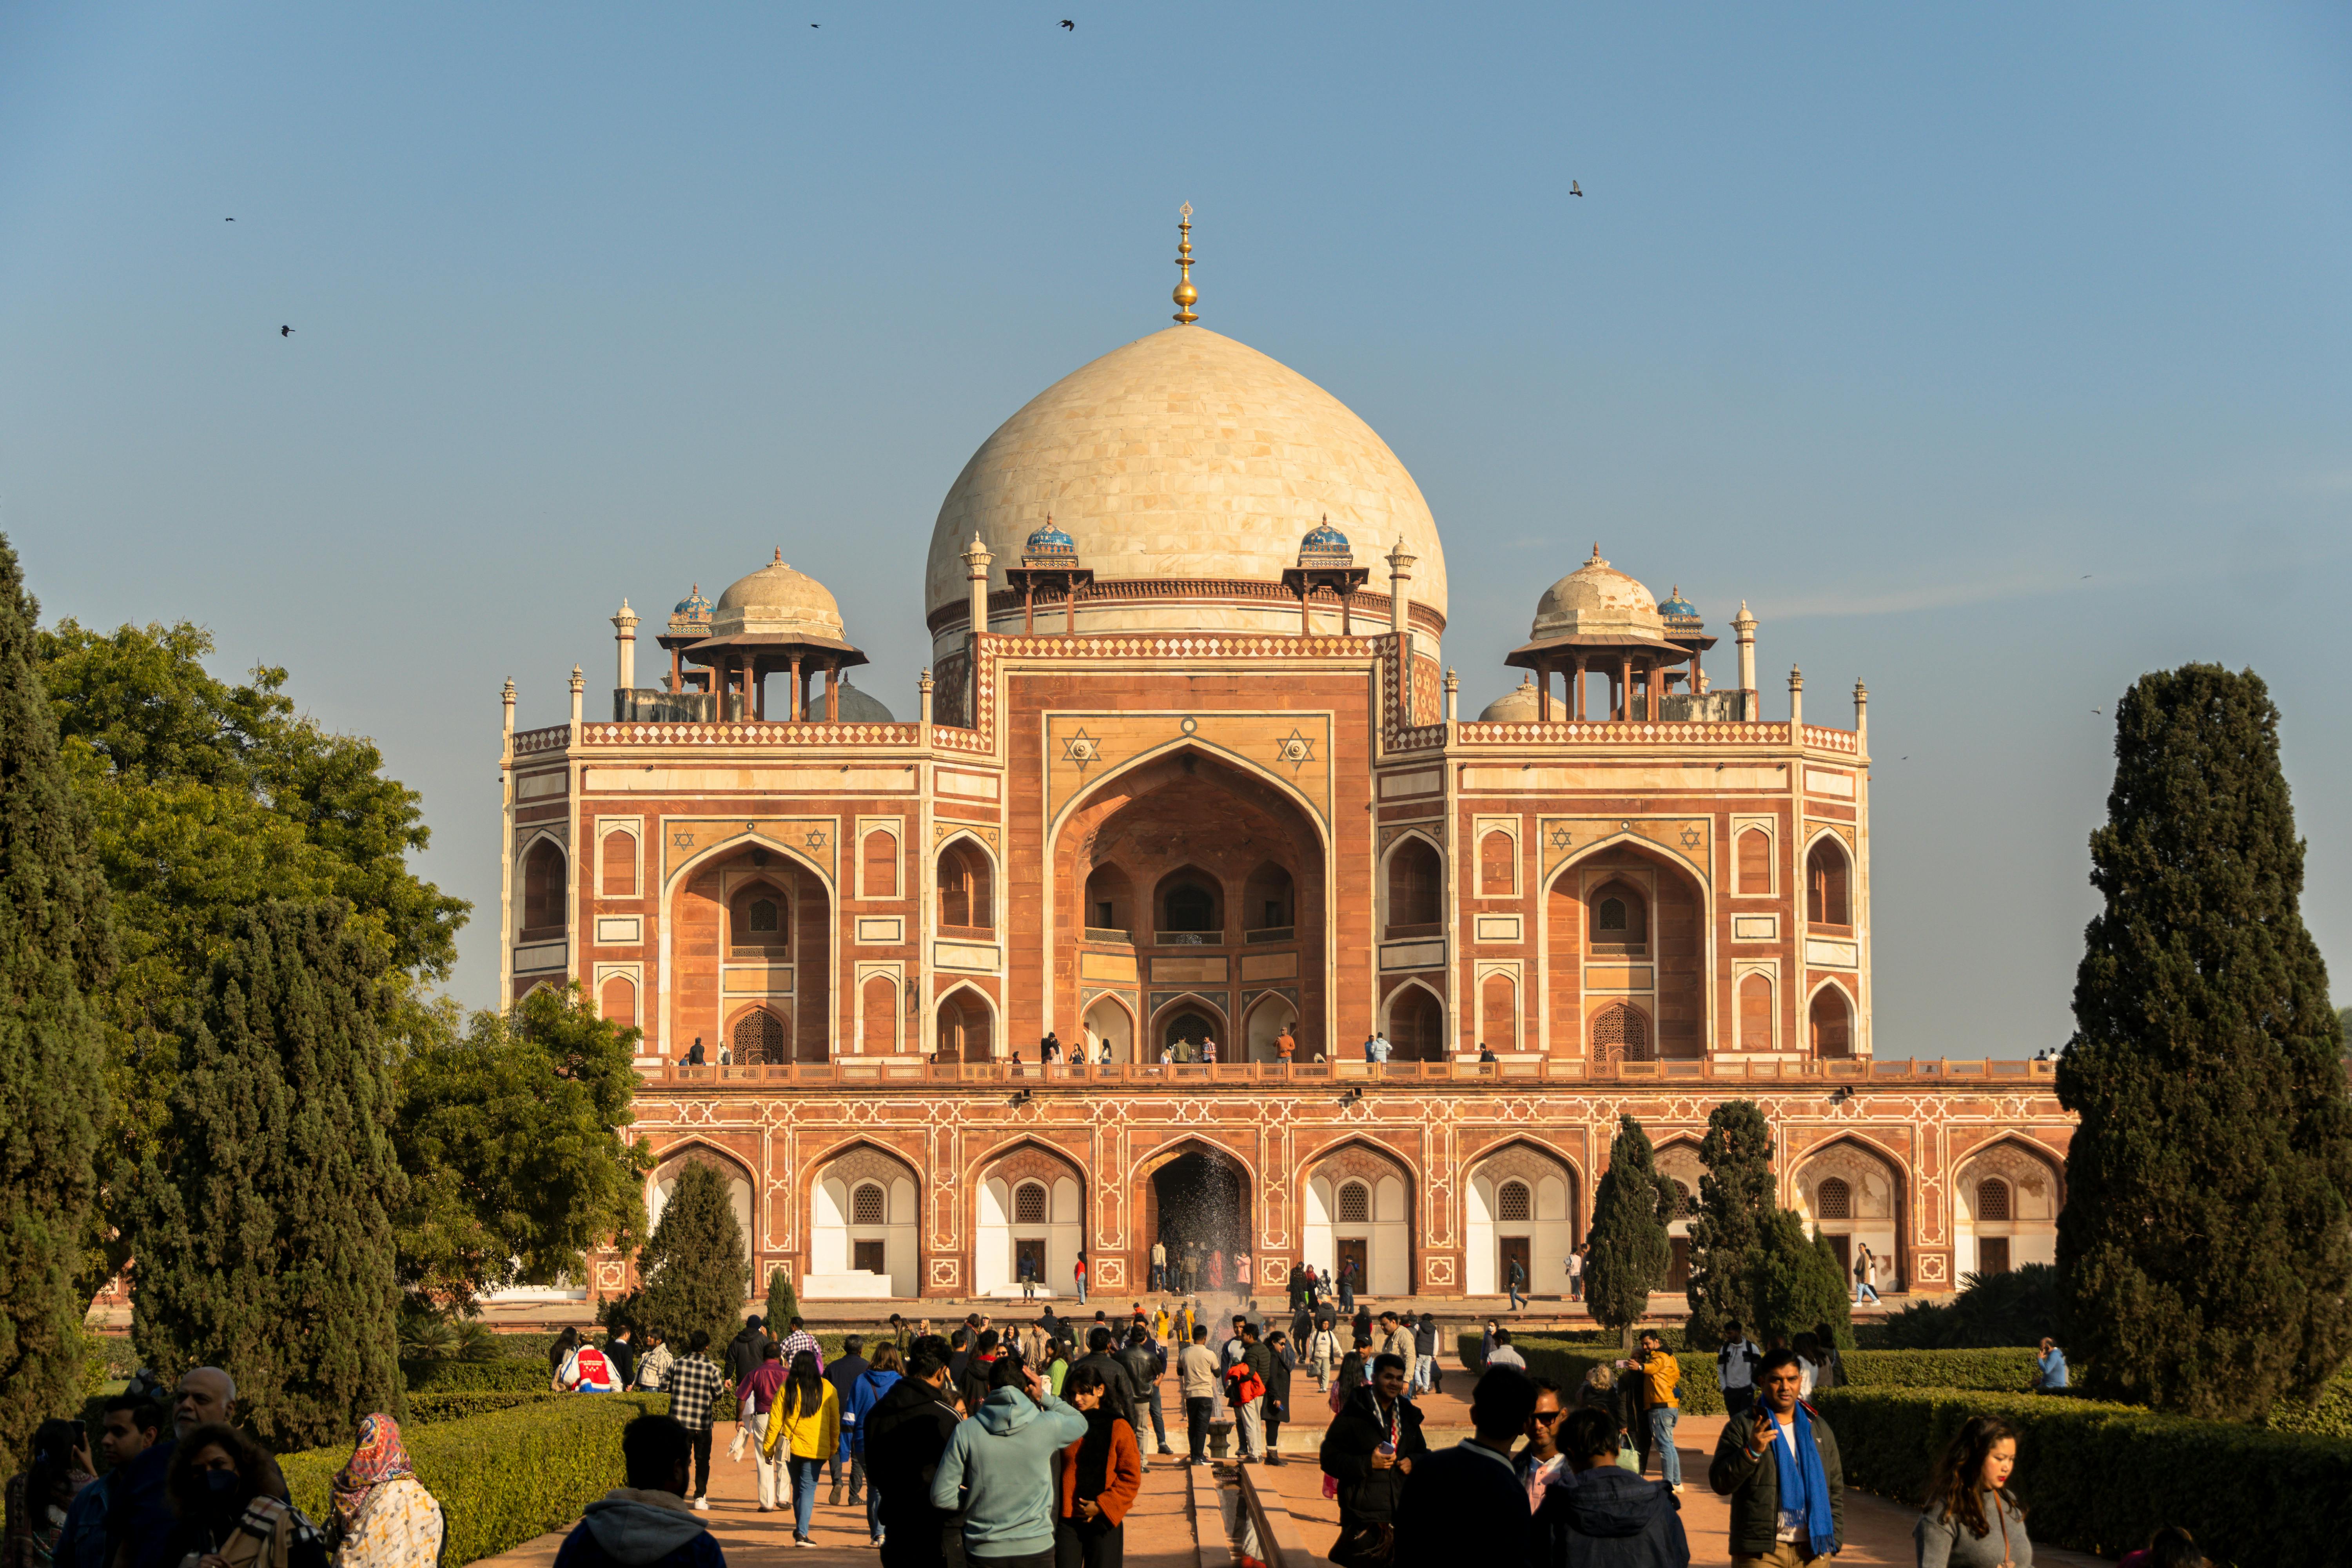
(1541, 1461)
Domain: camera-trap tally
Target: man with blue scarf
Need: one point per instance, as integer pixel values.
(1780, 1471)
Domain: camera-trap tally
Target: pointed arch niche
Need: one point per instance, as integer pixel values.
(1187, 872)
(1359, 1218)
(761, 920)
(1626, 956)
(1522, 1205)
(863, 1211)
(1853, 1195)
(1032, 1220)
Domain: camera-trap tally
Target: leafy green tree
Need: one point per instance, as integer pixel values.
(2206, 1245)
(204, 799)
(511, 1137)
(1734, 1194)
(55, 948)
(1794, 1281)
(265, 1226)
(1631, 1207)
(694, 1268)
(783, 1302)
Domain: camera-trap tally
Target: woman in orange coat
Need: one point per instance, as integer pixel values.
(1101, 1473)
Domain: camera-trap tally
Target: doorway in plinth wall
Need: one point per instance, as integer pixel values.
(1516, 1250)
(1201, 1214)
(1029, 1259)
(1354, 1262)
(1678, 1264)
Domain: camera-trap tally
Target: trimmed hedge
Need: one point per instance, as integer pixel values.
(424, 1409)
(2101, 1477)
(511, 1375)
(505, 1478)
(2330, 1416)
(2000, 1371)
(1567, 1362)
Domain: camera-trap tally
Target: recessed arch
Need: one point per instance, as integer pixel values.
(1412, 1018)
(2005, 1195)
(964, 1026)
(1377, 1249)
(1412, 882)
(1498, 1232)
(733, 1168)
(966, 878)
(1833, 1022)
(1107, 1017)
(1189, 899)
(1256, 772)
(1863, 1206)
(1265, 1016)
(1170, 1015)
(1664, 978)
(1623, 1032)
(1012, 1240)
(859, 1249)
(543, 911)
(759, 919)
(760, 1034)
(1828, 881)
(798, 856)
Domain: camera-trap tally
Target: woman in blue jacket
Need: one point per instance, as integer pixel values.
(872, 1383)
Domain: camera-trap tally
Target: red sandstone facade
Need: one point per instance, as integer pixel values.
(1147, 804)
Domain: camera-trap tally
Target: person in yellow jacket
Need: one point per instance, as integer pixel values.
(806, 1422)
(1660, 1372)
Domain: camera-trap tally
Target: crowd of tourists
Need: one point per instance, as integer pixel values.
(1024, 1447)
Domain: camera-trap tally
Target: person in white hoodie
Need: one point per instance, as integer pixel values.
(647, 1523)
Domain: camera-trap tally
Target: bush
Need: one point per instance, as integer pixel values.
(427, 1409)
(2007, 1370)
(504, 1477)
(2100, 1477)
(513, 1375)
(2012, 1308)
(1566, 1364)
(2330, 1415)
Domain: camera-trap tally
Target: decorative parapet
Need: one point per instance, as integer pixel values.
(787, 736)
(555, 738)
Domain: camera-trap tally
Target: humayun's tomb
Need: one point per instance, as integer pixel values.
(1188, 765)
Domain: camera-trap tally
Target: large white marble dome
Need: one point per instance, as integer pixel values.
(1182, 458)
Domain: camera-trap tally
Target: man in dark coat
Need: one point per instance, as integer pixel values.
(745, 1351)
(1747, 1465)
(843, 1372)
(646, 1523)
(1370, 1450)
(1119, 1394)
(1464, 1504)
(906, 1432)
(1603, 1516)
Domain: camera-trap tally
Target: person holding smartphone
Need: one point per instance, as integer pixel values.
(1780, 1467)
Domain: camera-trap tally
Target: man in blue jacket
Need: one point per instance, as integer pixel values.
(999, 1468)
(1600, 1514)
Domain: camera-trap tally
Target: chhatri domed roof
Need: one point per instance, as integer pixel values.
(777, 601)
(1597, 601)
(1184, 455)
(1520, 705)
(860, 707)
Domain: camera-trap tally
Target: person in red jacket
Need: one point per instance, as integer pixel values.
(1101, 1474)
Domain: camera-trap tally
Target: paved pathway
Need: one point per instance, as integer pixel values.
(1159, 1528)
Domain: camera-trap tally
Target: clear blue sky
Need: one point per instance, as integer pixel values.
(1994, 354)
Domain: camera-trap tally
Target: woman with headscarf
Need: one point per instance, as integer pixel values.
(384, 1516)
(232, 1506)
(1101, 1474)
(808, 1431)
(39, 1496)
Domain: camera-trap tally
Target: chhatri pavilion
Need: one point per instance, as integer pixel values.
(1188, 767)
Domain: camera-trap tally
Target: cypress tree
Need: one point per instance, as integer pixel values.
(1794, 1281)
(783, 1302)
(266, 1241)
(2204, 1250)
(694, 1268)
(1630, 1206)
(1735, 1195)
(56, 945)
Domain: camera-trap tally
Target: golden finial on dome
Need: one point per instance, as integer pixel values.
(1186, 295)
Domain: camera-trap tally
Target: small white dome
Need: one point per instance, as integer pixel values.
(1596, 599)
(1515, 706)
(777, 600)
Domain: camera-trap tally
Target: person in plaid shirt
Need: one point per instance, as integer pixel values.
(693, 1383)
(800, 1339)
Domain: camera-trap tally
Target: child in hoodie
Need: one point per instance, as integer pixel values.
(1601, 1516)
(999, 1468)
(647, 1523)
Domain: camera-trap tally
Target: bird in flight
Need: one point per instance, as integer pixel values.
(285, 331)
(229, 220)
(1574, 189)
(1069, 26)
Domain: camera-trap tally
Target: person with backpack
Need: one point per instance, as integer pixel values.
(1246, 1393)
(1735, 1370)
(1323, 1352)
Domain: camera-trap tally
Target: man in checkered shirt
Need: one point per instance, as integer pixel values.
(693, 1383)
(800, 1339)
